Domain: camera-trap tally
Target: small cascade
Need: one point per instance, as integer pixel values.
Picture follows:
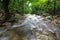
(35, 21)
(38, 23)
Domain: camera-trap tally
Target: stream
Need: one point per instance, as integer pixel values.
(36, 27)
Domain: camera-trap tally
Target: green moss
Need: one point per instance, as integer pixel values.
(43, 38)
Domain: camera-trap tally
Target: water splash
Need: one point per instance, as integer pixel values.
(35, 21)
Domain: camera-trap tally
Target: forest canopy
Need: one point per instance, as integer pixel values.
(30, 6)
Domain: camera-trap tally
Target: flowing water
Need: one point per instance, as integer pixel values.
(35, 21)
(37, 24)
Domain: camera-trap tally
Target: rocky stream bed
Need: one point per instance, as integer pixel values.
(33, 27)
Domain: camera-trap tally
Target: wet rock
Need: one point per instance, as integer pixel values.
(4, 38)
(50, 35)
(58, 35)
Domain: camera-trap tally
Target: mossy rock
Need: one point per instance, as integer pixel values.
(42, 37)
(51, 35)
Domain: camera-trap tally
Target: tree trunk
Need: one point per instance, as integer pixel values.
(6, 10)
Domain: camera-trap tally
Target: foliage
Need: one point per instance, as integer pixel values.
(41, 7)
